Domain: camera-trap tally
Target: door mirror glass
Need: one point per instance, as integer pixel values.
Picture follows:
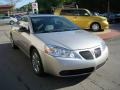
(24, 29)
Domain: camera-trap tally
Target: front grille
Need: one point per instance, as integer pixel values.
(86, 54)
(77, 71)
(97, 52)
(91, 54)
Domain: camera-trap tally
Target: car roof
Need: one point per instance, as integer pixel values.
(42, 15)
(74, 9)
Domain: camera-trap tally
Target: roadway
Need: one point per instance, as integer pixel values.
(16, 71)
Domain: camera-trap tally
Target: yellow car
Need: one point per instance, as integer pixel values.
(84, 18)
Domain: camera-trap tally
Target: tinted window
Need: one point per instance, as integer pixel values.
(52, 24)
(69, 12)
(83, 13)
(75, 12)
(25, 19)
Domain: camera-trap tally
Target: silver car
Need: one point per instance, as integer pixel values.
(57, 46)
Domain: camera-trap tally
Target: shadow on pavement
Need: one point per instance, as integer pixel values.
(115, 26)
(17, 71)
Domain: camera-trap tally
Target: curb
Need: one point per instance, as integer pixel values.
(109, 35)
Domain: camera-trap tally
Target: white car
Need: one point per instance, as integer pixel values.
(7, 20)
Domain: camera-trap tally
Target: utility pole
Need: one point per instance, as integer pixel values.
(108, 7)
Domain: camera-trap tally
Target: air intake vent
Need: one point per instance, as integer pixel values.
(97, 52)
(77, 71)
(86, 54)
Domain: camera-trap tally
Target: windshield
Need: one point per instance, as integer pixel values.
(49, 24)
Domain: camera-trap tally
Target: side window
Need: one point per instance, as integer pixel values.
(75, 12)
(66, 12)
(24, 23)
(70, 12)
(83, 13)
(25, 19)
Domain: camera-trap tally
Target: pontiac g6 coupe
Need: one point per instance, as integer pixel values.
(57, 46)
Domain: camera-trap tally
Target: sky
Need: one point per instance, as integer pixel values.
(19, 4)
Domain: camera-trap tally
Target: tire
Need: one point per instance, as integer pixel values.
(95, 27)
(11, 22)
(37, 63)
(12, 43)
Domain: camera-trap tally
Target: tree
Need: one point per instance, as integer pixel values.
(13, 3)
(93, 5)
(47, 5)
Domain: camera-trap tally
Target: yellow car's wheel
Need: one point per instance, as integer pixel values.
(95, 27)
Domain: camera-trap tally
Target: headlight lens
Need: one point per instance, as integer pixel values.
(103, 45)
(57, 51)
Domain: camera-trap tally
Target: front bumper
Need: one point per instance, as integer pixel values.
(65, 67)
(104, 25)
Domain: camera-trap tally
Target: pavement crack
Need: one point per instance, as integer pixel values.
(82, 86)
(116, 83)
(94, 82)
(99, 75)
(25, 85)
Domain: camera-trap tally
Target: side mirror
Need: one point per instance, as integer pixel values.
(24, 29)
(24, 24)
(96, 14)
(86, 14)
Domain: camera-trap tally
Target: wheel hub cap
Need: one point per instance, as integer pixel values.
(35, 62)
(95, 27)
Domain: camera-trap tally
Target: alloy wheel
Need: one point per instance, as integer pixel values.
(95, 27)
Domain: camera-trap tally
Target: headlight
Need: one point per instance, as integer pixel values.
(103, 45)
(57, 51)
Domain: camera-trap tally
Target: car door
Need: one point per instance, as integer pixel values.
(83, 18)
(6, 19)
(24, 36)
(1, 19)
(70, 14)
(15, 34)
(79, 17)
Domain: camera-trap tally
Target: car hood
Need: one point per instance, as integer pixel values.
(71, 39)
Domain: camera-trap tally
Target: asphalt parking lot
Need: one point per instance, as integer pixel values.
(16, 70)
